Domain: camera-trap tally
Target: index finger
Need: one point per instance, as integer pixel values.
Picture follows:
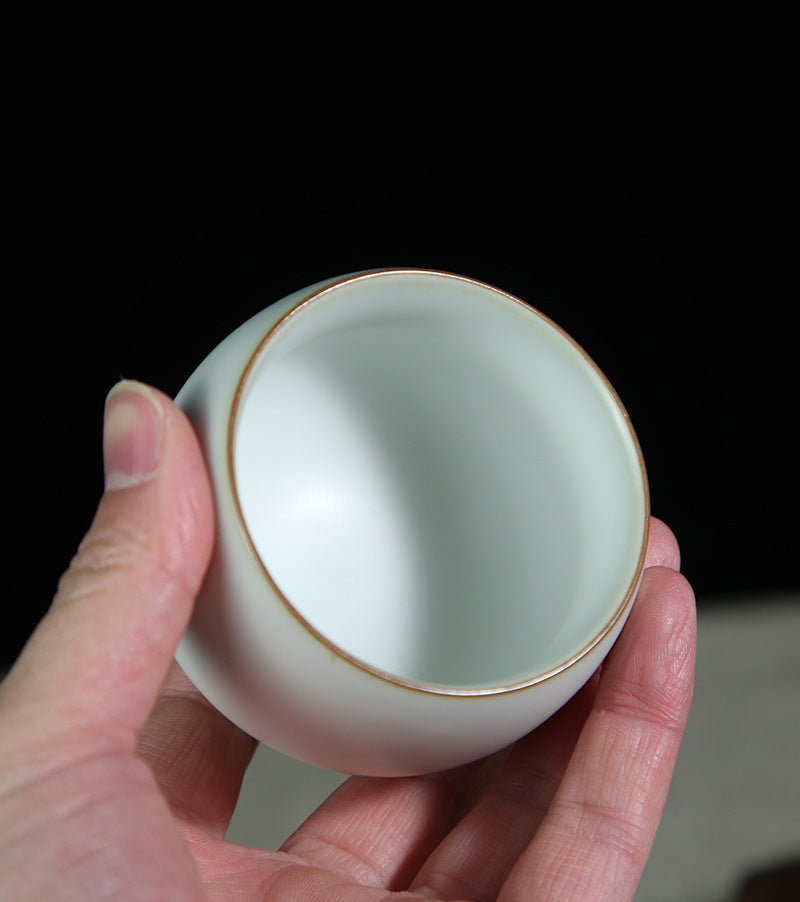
(594, 840)
(662, 547)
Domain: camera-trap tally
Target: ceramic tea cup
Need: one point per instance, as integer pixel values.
(432, 514)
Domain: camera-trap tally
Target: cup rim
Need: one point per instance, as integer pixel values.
(430, 688)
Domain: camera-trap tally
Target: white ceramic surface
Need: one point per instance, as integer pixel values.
(432, 513)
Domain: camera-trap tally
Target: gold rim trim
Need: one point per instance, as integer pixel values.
(429, 688)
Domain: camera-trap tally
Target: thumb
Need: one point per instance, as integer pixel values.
(92, 669)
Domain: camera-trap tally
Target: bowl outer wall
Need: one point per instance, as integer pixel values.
(256, 660)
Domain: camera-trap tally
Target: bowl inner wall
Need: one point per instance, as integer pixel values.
(438, 481)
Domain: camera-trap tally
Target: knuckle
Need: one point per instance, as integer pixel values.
(104, 554)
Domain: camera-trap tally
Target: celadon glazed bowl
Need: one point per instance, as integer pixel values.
(432, 514)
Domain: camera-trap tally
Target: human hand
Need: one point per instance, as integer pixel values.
(118, 780)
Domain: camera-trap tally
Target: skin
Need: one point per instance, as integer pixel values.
(117, 780)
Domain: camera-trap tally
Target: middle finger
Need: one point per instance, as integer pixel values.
(475, 858)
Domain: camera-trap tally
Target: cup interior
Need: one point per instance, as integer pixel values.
(438, 481)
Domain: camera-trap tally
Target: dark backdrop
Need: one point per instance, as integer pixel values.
(651, 222)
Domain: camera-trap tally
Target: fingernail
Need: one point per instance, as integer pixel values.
(132, 435)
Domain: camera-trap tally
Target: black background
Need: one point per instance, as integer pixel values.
(162, 191)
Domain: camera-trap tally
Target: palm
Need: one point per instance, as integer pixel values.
(424, 833)
(560, 808)
(569, 813)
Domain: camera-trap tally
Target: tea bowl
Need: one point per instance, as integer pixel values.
(432, 515)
